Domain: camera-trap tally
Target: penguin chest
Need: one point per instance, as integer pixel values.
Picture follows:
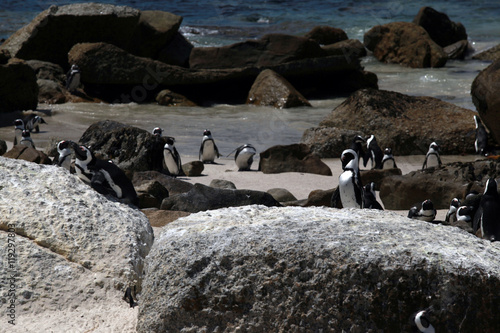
(18, 135)
(27, 143)
(348, 189)
(171, 162)
(209, 153)
(432, 161)
(388, 164)
(65, 161)
(244, 160)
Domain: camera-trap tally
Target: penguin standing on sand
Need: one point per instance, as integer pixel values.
(424, 211)
(374, 153)
(18, 131)
(104, 177)
(350, 190)
(422, 322)
(64, 158)
(489, 212)
(244, 157)
(73, 78)
(26, 140)
(208, 148)
(432, 158)
(370, 199)
(172, 158)
(388, 161)
(481, 142)
(451, 215)
(32, 122)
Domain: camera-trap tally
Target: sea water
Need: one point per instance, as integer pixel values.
(223, 22)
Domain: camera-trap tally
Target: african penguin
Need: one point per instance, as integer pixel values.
(388, 161)
(489, 212)
(451, 215)
(26, 140)
(157, 131)
(244, 157)
(129, 297)
(465, 213)
(104, 177)
(357, 146)
(432, 158)
(172, 158)
(370, 199)
(374, 153)
(422, 322)
(64, 150)
(350, 188)
(73, 78)
(32, 122)
(18, 131)
(424, 211)
(481, 142)
(208, 148)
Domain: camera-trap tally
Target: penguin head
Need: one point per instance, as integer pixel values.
(388, 151)
(26, 134)
(490, 188)
(158, 131)
(464, 213)
(39, 120)
(349, 160)
(422, 321)
(62, 145)
(455, 202)
(207, 133)
(358, 139)
(169, 145)
(427, 205)
(434, 146)
(75, 67)
(82, 153)
(19, 123)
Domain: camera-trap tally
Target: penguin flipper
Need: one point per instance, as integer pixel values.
(99, 182)
(335, 202)
(216, 150)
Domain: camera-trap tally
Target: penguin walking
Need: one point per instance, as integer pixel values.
(481, 142)
(172, 158)
(388, 161)
(432, 158)
(350, 190)
(158, 131)
(104, 177)
(18, 131)
(244, 156)
(64, 158)
(73, 78)
(208, 148)
(422, 322)
(489, 212)
(374, 153)
(26, 140)
(32, 123)
(370, 199)
(424, 211)
(451, 215)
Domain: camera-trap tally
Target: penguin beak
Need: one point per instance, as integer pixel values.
(80, 152)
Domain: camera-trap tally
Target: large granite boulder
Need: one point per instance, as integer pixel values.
(292, 158)
(491, 54)
(404, 43)
(326, 35)
(407, 124)
(317, 269)
(173, 185)
(202, 197)
(21, 152)
(18, 87)
(53, 32)
(327, 142)
(439, 26)
(74, 249)
(347, 48)
(131, 148)
(272, 89)
(485, 91)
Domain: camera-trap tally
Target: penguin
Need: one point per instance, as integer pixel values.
(158, 131)
(388, 161)
(451, 215)
(422, 322)
(374, 153)
(73, 78)
(208, 148)
(489, 212)
(424, 211)
(26, 140)
(350, 188)
(244, 157)
(465, 213)
(481, 142)
(357, 146)
(370, 199)
(64, 150)
(18, 131)
(32, 122)
(104, 177)
(432, 158)
(129, 297)
(171, 158)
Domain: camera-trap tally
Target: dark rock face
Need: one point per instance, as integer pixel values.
(202, 197)
(193, 168)
(291, 269)
(48, 71)
(439, 26)
(492, 54)
(131, 148)
(151, 194)
(457, 50)
(272, 89)
(176, 52)
(326, 35)
(50, 92)
(28, 154)
(169, 98)
(348, 48)
(18, 87)
(328, 142)
(174, 186)
(404, 43)
(405, 123)
(292, 158)
(485, 93)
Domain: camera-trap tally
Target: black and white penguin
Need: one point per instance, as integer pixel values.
(18, 131)
(26, 140)
(244, 157)
(73, 78)
(451, 215)
(432, 158)
(388, 161)
(374, 153)
(424, 211)
(64, 158)
(208, 148)
(158, 131)
(370, 199)
(465, 213)
(357, 146)
(130, 297)
(481, 142)
(104, 177)
(422, 322)
(172, 158)
(489, 212)
(32, 123)
(350, 188)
